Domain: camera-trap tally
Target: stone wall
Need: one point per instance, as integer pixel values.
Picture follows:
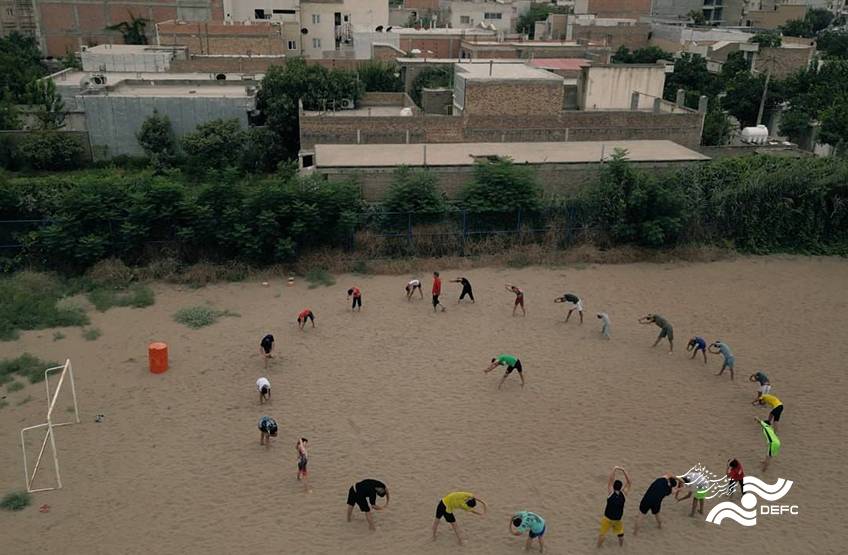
(682, 128)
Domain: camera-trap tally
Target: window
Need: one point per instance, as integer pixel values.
(292, 45)
(316, 18)
(491, 15)
(284, 12)
(259, 13)
(316, 43)
(464, 19)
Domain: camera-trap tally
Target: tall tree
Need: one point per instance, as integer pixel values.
(133, 30)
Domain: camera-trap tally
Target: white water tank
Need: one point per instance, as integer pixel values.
(406, 112)
(755, 135)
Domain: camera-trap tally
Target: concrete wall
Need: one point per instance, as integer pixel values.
(565, 180)
(114, 121)
(66, 25)
(148, 61)
(610, 87)
(475, 12)
(618, 8)
(437, 101)
(631, 36)
(682, 128)
(361, 14)
(239, 10)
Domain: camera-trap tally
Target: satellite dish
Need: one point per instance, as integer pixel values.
(304, 31)
(379, 29)
(389, 28)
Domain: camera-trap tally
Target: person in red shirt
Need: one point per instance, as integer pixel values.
(303, 316)
(437, 290)
(357, 298)
(736, 474)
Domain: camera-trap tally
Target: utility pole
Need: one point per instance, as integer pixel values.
(763, 98)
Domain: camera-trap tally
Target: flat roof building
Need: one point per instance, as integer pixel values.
(507, 89)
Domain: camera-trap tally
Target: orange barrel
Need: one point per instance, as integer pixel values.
(157, 353)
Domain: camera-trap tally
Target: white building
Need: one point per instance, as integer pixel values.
(326, 26)
(501, 15)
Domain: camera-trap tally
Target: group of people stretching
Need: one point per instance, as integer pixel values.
(364, 494)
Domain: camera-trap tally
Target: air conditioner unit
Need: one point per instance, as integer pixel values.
(348, 104)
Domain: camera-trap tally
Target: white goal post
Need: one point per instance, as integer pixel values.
(67, 374)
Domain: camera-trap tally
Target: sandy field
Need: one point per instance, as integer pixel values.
(397, 393)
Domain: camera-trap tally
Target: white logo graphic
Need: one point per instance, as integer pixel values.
(707, 482)
(746, 515)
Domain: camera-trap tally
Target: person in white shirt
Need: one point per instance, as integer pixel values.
(263, 386)
(412, 286)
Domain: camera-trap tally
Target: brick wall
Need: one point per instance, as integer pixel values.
(234, 64)
(66, 25)
(218, 38)
(619, 8)
(528, 97)
(682, 128)
(631, 36)
(783, 61)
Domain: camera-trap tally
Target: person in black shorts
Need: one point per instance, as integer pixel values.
(265, 348)
(364, 495)
(303, 316)
(466, 288)
(659, 489)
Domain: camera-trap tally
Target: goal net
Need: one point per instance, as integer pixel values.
(65, 379)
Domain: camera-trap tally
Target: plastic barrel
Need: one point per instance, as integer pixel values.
(157, 354)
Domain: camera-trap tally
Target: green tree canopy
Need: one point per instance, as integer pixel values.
(648, 55)
(500, 185)
(20, 64)
(379, 76)
(414, 190)
(431, 77)
(767, 39)
(833, 43)
(133, 31)
(834, 125)
(156, 138)
(216, 144)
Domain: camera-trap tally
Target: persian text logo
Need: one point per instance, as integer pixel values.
(746, 515)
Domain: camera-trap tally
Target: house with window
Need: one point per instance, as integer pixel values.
(499, 15)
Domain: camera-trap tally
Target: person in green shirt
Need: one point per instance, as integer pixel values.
(525, 521)
(666, 331)
(511, 362)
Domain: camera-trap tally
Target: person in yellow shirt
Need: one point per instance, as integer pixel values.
(453, 501)
(776, 406)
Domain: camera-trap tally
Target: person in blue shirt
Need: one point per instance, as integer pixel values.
(697, 344)
(719, 347)
(525, 521)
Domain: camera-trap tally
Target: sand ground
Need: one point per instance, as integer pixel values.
(397, 393)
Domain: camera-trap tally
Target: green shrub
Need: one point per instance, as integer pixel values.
(319, 276)
(92, 334)
(16, 501)
(111, 272)
(136, 296)
(414, 191)
(51, 150)
(500, 185)
(28, 302)
(26, 366)
(197, 317)
(14, 386)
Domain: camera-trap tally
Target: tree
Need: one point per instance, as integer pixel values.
(795, 124)
(767, 39)
(697, 17)
(691, 74)
(818, 19)
(744, 93)
(716, 125)
(8, 112)
(216, 144)
(50, 150)
(431, 77)
(379, 76)
(156, 138)
(526, 23)
(833, 43)
(49, 105)
(797, 28)
(834, 125)
(414, 191)
(499, 185)
(648, 55)
(810, 93)
(133, 30)
(317, 87)
(20, 64)
(735, 63)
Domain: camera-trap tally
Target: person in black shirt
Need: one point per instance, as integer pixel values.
(265, 348)
(659, 489)
(573, 302)
(466, 288)
(364, 494)
(614, 510)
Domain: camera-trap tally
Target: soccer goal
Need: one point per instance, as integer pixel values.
(66, 375)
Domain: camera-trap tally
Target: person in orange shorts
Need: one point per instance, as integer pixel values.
(614, 511)
(305, 315)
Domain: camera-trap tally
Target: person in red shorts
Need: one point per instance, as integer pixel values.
(519, 298)
(304, 315)
(357, 298)
(437, 290)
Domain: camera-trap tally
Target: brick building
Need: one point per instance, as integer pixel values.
(17, 16)
(508, 89)
(614, 8)
(526, 50)
(66, 25)
(211, 38)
